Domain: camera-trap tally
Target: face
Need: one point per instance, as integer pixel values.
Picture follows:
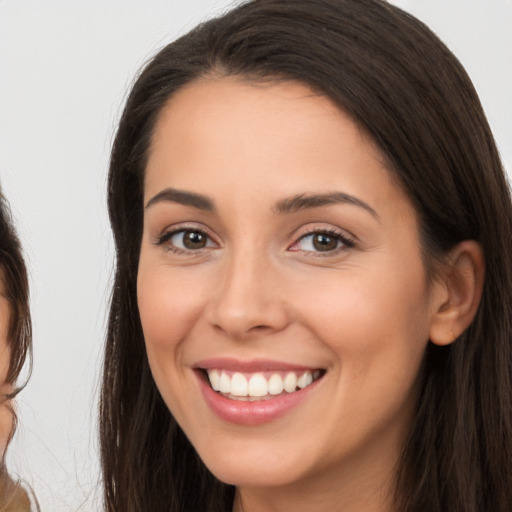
(281, 262)
(6, 417)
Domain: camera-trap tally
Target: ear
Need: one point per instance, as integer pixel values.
(458, 293)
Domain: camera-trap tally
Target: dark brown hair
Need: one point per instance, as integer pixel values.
(13, 275)
(394, 77)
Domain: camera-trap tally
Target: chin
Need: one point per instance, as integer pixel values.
(253, 475)
(252, 464)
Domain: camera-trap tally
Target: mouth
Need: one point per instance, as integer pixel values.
(255, 392)
(259, 386)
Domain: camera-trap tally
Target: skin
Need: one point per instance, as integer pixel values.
(6, 418)
(260, 289)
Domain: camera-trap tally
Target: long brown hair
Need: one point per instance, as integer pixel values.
(13, 275)
(394, 77)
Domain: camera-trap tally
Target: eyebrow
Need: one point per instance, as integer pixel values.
(306, 201)
(283, 207)
(181, 197)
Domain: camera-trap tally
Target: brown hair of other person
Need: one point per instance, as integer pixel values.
(19, 338)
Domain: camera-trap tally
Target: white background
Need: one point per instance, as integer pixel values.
(65, 67)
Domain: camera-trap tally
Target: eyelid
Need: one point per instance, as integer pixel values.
(347, 240)
(166, 234)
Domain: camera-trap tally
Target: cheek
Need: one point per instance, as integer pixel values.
(377, 331)
(168, 309)
(6, 423)
(6, 414)
(169, 305)
(368, 319)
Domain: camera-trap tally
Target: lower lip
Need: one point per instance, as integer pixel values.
(243, 412)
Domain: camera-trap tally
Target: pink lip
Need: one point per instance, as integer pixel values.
(255, 365)
(242, 412)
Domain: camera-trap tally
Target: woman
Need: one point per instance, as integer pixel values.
(15, 347)
(312, 295)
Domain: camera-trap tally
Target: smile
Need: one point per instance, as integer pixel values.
(255, 392)
(259, 385)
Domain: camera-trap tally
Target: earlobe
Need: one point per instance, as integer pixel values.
(462, 284)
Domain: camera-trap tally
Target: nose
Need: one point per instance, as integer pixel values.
(250, 299)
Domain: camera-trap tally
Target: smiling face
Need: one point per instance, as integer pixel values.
(278, 252)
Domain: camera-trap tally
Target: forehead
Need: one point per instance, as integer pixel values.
(278, 137)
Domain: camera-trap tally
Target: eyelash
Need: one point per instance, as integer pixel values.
(346, 242)
(166, 237)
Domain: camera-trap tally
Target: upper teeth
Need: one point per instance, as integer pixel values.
(259, 384)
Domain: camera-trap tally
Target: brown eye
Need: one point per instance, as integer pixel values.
(194, 239)
(186, 240)
(323, 242)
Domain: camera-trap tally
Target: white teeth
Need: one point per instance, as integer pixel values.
(275, 384)
(224, 383)
(239, 385)
(290, 383)
(257, 385)
(305, 380)
(214, 380)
